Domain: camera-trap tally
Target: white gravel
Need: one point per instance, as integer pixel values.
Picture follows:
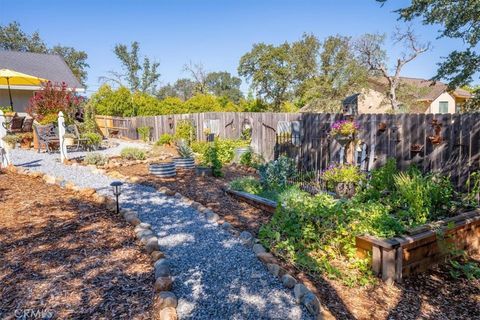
(215, 276)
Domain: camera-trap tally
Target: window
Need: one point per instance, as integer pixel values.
(443, 107)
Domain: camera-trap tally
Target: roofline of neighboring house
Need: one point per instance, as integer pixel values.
(451, 92)
(34, 88)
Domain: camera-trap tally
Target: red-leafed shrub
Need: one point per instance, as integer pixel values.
(54, 97)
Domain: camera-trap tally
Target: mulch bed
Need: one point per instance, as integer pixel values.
(431, 295)
(209, 191)
(67, 257)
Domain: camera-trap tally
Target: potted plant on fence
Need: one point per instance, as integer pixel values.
(343, 179)
(10, 141)
(26, 140)
(344, 130)
(185, 159)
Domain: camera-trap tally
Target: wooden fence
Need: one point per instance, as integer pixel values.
(449, 143)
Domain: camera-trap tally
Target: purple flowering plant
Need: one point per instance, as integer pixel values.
(344, 128)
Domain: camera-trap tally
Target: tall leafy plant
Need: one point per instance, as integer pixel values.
(53, 98)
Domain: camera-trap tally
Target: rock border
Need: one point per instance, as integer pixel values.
(165, 301)
(302, 294)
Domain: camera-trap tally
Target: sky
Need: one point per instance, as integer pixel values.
(215, 33)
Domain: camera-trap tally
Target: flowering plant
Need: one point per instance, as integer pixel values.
(52, 99)
(344, 128)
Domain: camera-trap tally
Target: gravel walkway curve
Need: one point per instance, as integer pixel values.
(215, 276)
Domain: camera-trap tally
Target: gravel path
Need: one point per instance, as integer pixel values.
(215, 276)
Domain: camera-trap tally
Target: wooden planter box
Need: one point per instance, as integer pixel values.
(399, 257)
(256, 201)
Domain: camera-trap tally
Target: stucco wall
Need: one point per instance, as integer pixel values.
(372, 101)
(435, 105)
(20, 99)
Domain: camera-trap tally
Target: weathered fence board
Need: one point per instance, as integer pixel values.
(381, 136)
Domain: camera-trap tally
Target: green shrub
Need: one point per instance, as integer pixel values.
(211, 159)
(185, 130)
(93, 139)
(226, 148)
(246, 184)
(251, 159)
(246, 159)
(11, 138)
(144, 133)
(199, 148)
(165, 139)
(317, 233)
(342, 173)
(421, 198)
(96, 159)
(276, 174)
(131, 153)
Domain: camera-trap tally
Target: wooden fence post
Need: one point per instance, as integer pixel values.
(61, 136)
(4, 154)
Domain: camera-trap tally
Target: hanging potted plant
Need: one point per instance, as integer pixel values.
(26, 140)
(344, 131)
(10, 141)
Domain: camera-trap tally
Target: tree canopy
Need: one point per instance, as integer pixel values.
(276, 72)
(457, 19)
(339, 74)
(140, 77)
(12, 37)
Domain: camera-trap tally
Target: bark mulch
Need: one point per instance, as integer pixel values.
(431, 295)
(67, 257)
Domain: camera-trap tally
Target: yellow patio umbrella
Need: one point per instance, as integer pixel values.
(14, 78)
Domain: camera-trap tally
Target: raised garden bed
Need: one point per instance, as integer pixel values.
(398, 257)
(425, 295)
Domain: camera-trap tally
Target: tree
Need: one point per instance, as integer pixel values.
(458, 19)
(182, 88)
(372, 55)
(199, 75)
(76, 60)
(340, 74)
(12, 37)
(145, 82)
(223, 84)
(276, 72)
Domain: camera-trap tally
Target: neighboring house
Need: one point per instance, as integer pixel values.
(427, 96)
(46, 66)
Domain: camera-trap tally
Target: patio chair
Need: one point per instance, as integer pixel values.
(27, 125)
(47, 137)
(16, 124)
(80, 142)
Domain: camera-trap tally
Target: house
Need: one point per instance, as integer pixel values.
(46, 66)
(423, 96)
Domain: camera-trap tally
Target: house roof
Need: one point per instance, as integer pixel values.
(436, 88)
(47, 66)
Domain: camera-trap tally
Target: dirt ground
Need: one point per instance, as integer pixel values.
(67, 257)
(432, 295)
